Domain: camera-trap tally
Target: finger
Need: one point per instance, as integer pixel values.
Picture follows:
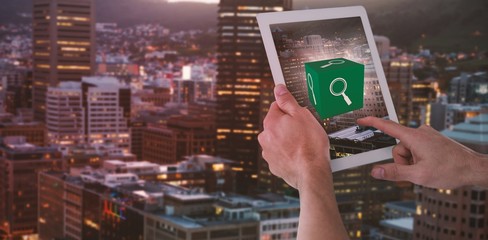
(389, 127)
(392, 172)
(274, 113)
(401, 154)
(285, 100)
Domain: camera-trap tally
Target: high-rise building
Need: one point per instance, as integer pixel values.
(456, 213)
(442, 116)
(65, 119)
(424, 92)
(397, 222)
(399, 75)
(242, 67)
(20, 163)
(94, 111)
(63, 46)
(383, 46)
(17, 86)
(469, 88)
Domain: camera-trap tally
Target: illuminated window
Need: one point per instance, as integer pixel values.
(162, 176)
(73, 43)
(254, 8)
(42, 66)
(65, 24)
(79, 19)
(73, 67)
(276, 9)
(41, 54)
(218, 167)
(42, 41)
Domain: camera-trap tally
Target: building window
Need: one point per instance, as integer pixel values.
(474, 195)
(472, 222)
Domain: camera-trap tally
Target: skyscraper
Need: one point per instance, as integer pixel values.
(242, 67)
(399, 74)
(63, 45)
(456, 213)
(94, 111)
(20, 162)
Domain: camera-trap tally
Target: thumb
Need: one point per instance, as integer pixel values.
(285, 100)
(392, 172)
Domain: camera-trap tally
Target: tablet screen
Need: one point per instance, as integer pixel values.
(328, 67)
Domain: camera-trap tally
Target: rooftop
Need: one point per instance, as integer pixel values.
(401, 224)
(407, 206)
(475, 130)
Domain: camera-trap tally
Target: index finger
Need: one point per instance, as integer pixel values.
(389, 127)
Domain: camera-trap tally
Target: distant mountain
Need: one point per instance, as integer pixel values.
(438, 24)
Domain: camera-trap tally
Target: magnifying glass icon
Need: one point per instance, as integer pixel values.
(310, 85)
(332, 62)
(342, 92)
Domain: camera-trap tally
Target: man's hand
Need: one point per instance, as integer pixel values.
(296, 148)
(426, 157)
(294, 144)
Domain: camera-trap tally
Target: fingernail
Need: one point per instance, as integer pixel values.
(378, 173)
(281, 89)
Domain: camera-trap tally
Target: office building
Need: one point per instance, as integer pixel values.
(17, 88)
(63, 46)
(456, 213)
(95, 111)
(137, 127)
(424, 92)
(242, 67)
(469, 88)
(107, 109)
(34, 132)
(213, 174)
(20, 162)
(121, 206)
(397, 221)
(82, 156)
(181, 136)
(383, 46)
(399, 75)
(65, 119)
(442, 116)
(158, 96)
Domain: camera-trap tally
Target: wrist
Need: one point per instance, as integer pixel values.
(316, 175)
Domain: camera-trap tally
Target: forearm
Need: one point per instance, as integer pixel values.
(479, 170)
(319, 214)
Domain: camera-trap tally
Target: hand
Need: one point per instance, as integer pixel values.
(296, 148)
(294, 144)
(426, 157)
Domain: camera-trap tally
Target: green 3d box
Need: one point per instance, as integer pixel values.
(335, 86)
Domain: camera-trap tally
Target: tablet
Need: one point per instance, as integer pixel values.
(328, 60)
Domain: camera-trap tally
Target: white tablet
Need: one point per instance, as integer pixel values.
(327, 58)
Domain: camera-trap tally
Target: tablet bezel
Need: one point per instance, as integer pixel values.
(265, 20)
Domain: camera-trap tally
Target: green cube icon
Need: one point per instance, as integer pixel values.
(335, 86)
